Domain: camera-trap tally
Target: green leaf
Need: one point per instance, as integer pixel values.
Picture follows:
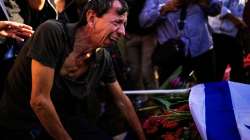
(173, 76)
(148, 108)
(165, 103)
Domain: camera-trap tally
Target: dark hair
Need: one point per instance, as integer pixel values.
(100, 7)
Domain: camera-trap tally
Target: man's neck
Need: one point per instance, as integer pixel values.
(83, 43)
(83, 34)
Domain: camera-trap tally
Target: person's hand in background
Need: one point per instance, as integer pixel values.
(170, 6)
(15, 30)
(240, 24)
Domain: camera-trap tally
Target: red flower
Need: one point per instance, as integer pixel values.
(167, 113)
(153, 121)
(184, 107)
(179, 132)
(170, 124)
(151, 130)
(170, 136)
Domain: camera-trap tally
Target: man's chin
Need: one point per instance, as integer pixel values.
(109, 43)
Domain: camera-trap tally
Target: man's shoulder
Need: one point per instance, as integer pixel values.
(50, 28)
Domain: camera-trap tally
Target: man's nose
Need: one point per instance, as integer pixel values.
(121, 30)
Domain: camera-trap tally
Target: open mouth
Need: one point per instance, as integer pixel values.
(111, 40)
(114, 39)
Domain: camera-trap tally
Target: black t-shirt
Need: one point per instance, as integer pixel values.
(50, 45)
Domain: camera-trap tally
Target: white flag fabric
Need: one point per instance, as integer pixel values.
(221, 110)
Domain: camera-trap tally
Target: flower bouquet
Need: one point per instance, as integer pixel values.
(167, 117)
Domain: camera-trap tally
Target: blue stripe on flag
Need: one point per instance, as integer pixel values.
(220, 120)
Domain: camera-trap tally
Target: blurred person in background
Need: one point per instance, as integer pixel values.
(140, 43)
(15, 30)
(225, 28)
(31, 12)
(195, 35)
(244, 38)
(11, 32)
(246, 14)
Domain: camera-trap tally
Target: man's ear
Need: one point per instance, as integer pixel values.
(91, 15)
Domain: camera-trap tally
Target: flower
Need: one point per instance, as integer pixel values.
(173, 122)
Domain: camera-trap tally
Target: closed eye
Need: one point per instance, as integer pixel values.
(119, 23)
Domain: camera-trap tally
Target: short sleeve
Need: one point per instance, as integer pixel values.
(46, 44)
(109, 75)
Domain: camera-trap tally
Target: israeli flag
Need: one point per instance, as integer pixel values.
(221, 110)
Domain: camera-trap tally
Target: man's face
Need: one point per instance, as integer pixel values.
(110, 27)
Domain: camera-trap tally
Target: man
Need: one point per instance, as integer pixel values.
(225, 28)
(56, 73)
(165, 16)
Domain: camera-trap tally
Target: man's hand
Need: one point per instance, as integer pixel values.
(126, 107)
(17, 31)
(83, 47)
(74, 65)
(170, 6)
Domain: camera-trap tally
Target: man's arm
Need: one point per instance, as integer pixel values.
(149, 14)
(239, 23)
(153, 11)
(36, 4)
(127, 109)
(42, 81)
